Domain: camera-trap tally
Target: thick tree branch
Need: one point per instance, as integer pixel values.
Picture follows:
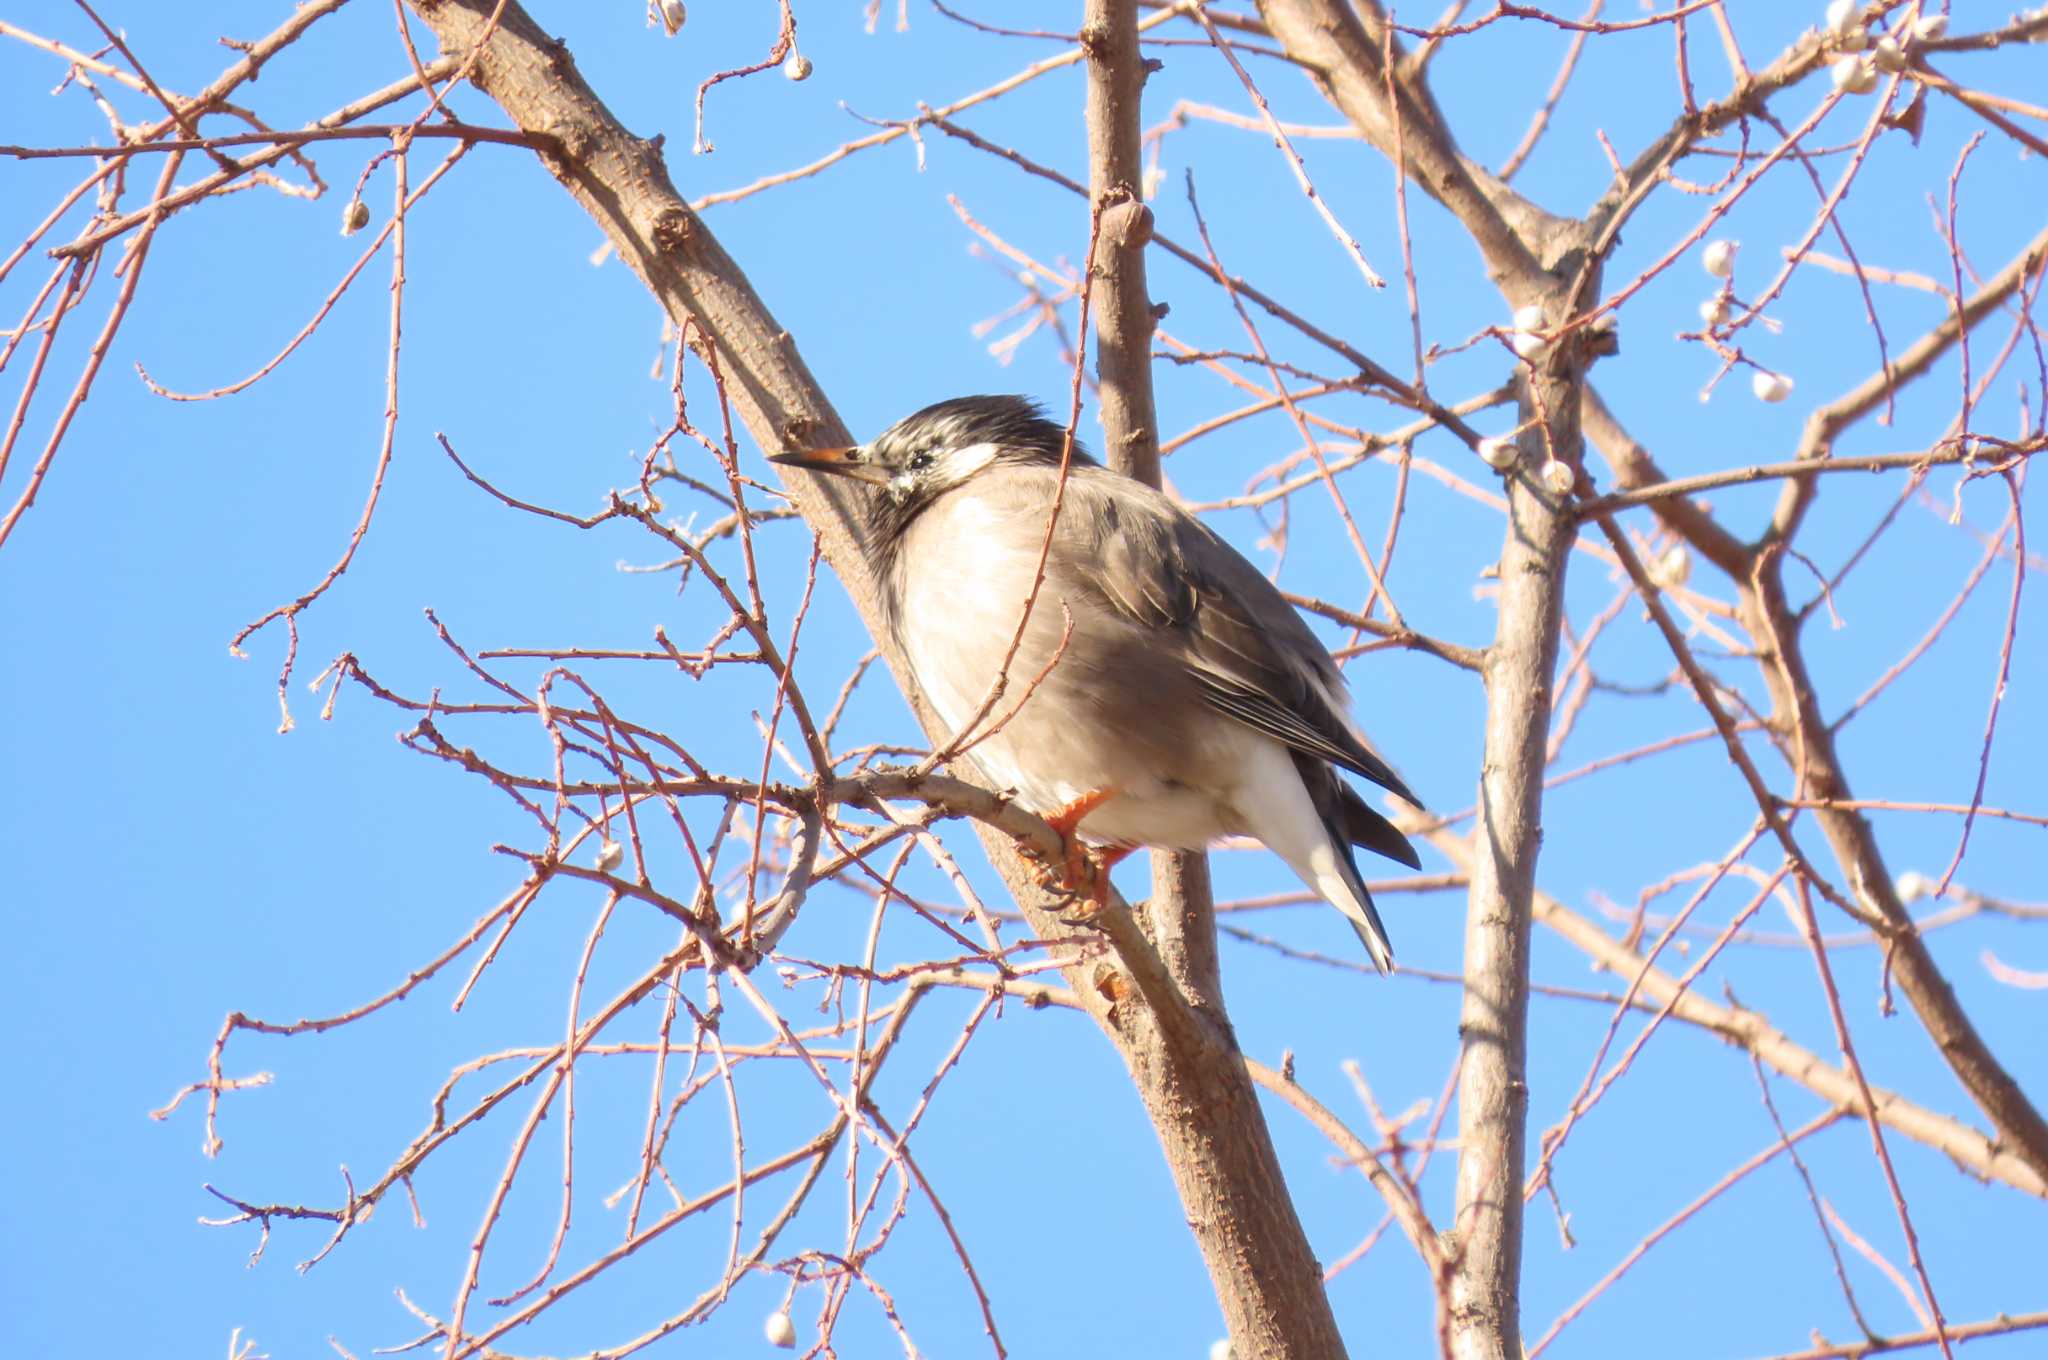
(1347, 49)
(1123, 310)
(1351, 50)
(1493, 1087)
(1397, 1191)
(1265, 1275)
(1809, 742)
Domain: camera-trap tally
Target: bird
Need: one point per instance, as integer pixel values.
(1176, 697)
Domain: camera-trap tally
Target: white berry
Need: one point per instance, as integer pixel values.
(1220, 1349)
(672, 15)
(797, 66)
(1930, 27)
(1844, 15)
(780, 1331)
(1523, 340)
(1557, 478)
(1912, 886)
(609, 856)
(1673, 569)
(1498, 453)
(1853, 75)
(1888, 56)
(1718, 259)
(1714, 310)
(1768, 386)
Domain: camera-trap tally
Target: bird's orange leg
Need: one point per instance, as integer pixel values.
(1080, 873)
(1105, 859)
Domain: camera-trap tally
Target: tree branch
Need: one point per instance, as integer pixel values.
(1348, 49)
(1493, 1088)
(1265, 1275)
(1748, 1029)
(1810, 745)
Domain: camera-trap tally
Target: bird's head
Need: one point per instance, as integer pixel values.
(926, 454)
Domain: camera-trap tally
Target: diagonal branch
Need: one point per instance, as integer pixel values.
(1348, 50)
(1968, 1148)
(1821, 777)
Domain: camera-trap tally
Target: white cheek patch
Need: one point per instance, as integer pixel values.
(964, 463)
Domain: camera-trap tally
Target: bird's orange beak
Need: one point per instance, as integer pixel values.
(851, 462)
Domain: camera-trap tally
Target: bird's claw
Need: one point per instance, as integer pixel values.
(1079, 876)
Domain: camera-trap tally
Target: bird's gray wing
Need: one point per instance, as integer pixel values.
(1252, 655)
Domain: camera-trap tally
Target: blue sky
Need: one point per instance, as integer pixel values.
(171, 857)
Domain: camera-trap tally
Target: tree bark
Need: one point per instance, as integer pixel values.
(1270, 1289)
(1350, 52)
(1493, 1085)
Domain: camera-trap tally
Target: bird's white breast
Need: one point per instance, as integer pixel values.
(955, 625)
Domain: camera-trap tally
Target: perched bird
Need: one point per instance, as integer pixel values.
(1182, 699)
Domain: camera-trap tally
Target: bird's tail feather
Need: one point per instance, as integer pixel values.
(1336, 877)
(1359, 824)
(1310, 817)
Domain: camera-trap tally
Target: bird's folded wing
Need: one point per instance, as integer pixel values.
(1253, 657)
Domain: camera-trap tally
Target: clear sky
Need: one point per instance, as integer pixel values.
(170, 857)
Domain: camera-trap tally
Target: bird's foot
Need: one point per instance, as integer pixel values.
(1079, 875)
(1082, 881)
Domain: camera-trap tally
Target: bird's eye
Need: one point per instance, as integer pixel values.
(920, 461)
